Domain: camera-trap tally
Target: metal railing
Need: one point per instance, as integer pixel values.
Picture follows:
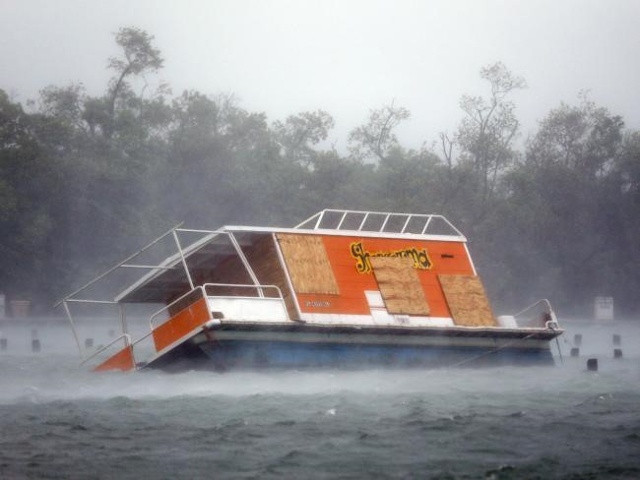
(127, 343)
(173, 262)
(205, 292)
(259, 294)
(151, 349)
(260, 289)
(537, 315)
(380, 222)
(172, 304)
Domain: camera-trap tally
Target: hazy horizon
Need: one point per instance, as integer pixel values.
(284, 57)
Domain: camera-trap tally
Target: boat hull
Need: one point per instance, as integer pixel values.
(242, 347)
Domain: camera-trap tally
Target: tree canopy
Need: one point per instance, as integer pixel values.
(86, 179)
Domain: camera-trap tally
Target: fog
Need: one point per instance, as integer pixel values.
(283, 57)
(54, 373)
(290, 107)
(264, 112)
(504, 422)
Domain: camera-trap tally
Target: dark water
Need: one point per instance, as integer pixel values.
(58, 421)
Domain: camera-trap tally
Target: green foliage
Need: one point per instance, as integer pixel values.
(84, 180)
(298, 134)
(374, 140)
(487, 131)
(583, 137)
(138, 55)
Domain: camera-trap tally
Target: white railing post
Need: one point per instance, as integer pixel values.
(73, 327)
(320, 217)
(426, 225)
(344, 215)
(404, 227)
(184, 261)
(245, 262)
(384, 224)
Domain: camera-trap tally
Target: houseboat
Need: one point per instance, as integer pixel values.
(343, 289)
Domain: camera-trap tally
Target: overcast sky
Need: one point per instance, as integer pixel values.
(343, 56)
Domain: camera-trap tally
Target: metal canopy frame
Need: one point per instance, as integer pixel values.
(390, 222)
(170, 263)
(341, 222)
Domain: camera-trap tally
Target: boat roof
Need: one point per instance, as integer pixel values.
(215, 246)
(381, 223)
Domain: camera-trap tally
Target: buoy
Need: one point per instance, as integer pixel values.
(617, 353)
(3, 344)
(575, 352)
(617, 339)
(577, 339)
(35, 345)
(88, 343)
(592, 364)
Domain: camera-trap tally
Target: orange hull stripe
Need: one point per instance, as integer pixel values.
(123, 361)
(181, 324)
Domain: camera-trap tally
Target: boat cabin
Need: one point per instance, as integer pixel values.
(338, 268)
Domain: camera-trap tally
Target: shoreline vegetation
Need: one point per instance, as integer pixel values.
(85, 180)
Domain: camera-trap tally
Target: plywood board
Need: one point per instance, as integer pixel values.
(308, 264)
(467, 300)
(399, 286)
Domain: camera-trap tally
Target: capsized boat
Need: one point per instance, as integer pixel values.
(343, 289)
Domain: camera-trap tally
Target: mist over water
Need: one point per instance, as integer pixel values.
(58, 420)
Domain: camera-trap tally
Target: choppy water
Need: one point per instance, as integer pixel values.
(59, 421)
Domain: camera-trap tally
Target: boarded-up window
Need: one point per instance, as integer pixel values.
(399, 286)
(467, 300)
(308, 264)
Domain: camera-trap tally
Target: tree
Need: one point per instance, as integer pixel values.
(585, 138)
(627, 167)
(487, 131)
(622, 211)
(564, 208)
(298, 134)
(138, 57)
(64, 103)
(375, 139)
(31, 146)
